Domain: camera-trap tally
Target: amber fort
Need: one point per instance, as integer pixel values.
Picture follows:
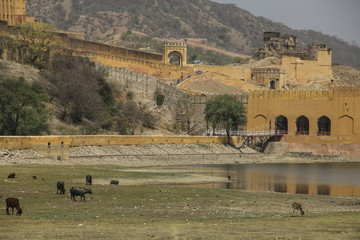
(328, 117)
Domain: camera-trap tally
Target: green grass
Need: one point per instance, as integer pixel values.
(162, 211)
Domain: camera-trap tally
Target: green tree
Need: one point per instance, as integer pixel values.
(23, 108)
(224, 111)
(31, 43)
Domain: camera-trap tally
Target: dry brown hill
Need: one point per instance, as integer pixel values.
(225, 26)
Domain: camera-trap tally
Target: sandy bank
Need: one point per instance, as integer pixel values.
(162, 155)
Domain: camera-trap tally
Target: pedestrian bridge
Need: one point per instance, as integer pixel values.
(260, 131)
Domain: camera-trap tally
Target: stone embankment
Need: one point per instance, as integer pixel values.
(137, 155)
(163, 155)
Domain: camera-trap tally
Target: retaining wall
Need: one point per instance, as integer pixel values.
(57, 147)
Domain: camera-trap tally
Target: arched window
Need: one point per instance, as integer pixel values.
(281, 124)
(324, 126)
(272, 84)
(302, 125)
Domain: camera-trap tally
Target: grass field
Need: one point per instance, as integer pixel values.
(136, 211)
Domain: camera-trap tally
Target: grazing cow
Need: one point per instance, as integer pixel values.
(297, 206)
(79, 191)
(13, 203)
(114, 182)
(12, 175)
(88, 179)
(34, 177)
(60, 187)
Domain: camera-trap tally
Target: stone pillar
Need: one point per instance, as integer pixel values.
(312, 126)
(291, 126)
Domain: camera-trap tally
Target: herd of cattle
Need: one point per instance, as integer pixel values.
(74, 191)
(80, 191)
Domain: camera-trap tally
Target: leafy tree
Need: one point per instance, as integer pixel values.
(225, 111)
(31, 43)
(23, 108)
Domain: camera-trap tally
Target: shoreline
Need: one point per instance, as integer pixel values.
(164, 155)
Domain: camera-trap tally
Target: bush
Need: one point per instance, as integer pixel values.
(160, 99)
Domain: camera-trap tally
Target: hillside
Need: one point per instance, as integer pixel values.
(225, 26)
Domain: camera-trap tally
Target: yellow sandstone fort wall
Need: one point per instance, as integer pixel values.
(14, 12)
(340, 104)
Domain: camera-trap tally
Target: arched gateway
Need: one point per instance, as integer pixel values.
(175, 51)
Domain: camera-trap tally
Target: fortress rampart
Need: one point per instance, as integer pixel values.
(150, 63)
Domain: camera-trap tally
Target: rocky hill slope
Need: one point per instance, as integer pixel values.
(224, 25)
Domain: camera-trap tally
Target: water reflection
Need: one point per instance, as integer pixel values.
(320, 179)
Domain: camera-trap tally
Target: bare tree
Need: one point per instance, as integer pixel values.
(76, 87)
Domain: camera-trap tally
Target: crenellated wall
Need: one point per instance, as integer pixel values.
(339, 106)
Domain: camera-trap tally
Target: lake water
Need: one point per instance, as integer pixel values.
(341, 179)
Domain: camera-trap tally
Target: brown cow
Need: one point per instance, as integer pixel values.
(297, 206)
(13, 203)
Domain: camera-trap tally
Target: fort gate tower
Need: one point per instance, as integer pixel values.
(175, 49)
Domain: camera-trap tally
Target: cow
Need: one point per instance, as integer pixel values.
(88, 179)
(79, 191)
(297, 206)
(11, 175)
(34, 177)
(114, 182)
(13, 203)
(60, 187)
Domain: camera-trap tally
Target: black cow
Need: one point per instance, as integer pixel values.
(88, 179)
(12, 175)
(60, 187)
(13, 203)
(114, 182)
(79, 191)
